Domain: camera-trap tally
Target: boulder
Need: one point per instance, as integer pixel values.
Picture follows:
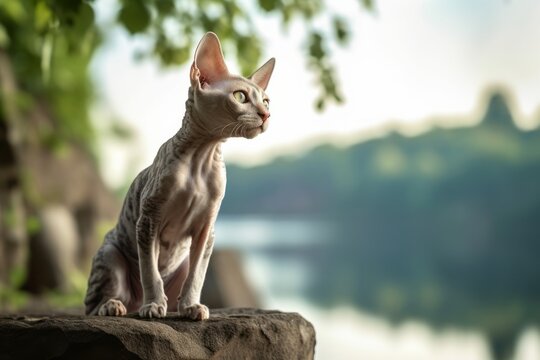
(226, 284)
(228, 334)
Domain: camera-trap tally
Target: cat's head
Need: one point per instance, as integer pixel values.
(227, 105)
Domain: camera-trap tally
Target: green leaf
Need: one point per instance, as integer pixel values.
(17, 276)
(134, 15)
(78, 28)
(309, 8)
(65, 11)
(248, 53)
(368, 4)
(341, 30)
(42, 16)
(287, 14)
(171, 55)
(320, 103)
(14, 10)
(4, 37)
(33, 225)
(316, 49)
(84, 19)
(121, 131)
(165, 7)
(269, 5)
(209, 23)
(65, 7)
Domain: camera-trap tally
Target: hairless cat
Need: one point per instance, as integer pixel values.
(157, 255)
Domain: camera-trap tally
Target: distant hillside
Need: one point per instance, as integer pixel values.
(330, 180)
(443, 226)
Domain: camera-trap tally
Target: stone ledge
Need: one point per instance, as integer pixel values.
(228, 334)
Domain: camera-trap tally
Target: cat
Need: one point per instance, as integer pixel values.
(162, 242)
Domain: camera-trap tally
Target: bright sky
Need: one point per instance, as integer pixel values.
(409, 62)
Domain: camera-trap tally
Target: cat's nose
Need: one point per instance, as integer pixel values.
(264, 115)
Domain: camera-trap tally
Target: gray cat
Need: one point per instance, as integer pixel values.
(160, 248)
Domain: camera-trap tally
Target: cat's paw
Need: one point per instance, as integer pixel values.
(153, 310)
(196, 312)
(112, 307)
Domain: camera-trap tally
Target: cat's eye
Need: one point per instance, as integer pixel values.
(240, 96)
(266, 103)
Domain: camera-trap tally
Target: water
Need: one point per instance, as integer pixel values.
(280, 257)
(272, 250)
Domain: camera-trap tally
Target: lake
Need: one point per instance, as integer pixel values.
(284, 258)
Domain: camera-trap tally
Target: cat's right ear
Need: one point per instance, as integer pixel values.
(208, 65)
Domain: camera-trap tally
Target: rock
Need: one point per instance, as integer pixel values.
(226, 284)
(228, 334)
(53, 251)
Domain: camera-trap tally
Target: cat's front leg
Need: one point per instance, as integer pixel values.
(189, 305)
(154, 299)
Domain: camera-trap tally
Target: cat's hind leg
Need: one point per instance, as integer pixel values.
(108, 291)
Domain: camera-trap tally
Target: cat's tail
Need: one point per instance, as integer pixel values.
(108, 278)
(97, 282)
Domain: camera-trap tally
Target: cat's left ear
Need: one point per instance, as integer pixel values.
(262, 75)
(209, 65)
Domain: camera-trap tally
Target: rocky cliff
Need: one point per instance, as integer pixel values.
(228, 334)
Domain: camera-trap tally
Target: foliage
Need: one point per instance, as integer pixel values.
(71, 299)
(441, 227)
(10, 297)
(174, 26)
(50, 45)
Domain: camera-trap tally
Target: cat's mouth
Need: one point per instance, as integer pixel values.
(249, 127)
(251, 132)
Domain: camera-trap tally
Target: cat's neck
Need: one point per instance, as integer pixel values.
(194, 140)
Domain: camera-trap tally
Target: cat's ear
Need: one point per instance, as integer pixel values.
(209, 65)
(261, 76)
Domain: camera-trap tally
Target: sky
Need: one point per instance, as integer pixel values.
(408, 63)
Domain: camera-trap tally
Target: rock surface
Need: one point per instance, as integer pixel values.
(226, 284)
(228, 334)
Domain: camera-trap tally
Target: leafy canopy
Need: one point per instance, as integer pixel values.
(55, 39)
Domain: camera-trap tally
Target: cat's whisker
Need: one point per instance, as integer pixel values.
(224, 127)
(243, 129)
(233, 130)
(238, 129)
(220, 126)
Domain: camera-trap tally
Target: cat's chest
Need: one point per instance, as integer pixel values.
(193, 199)
(192, 206)
(200, 186)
